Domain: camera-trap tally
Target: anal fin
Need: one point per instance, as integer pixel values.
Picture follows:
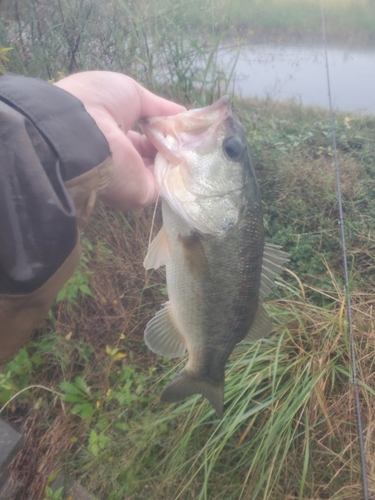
(193, 253)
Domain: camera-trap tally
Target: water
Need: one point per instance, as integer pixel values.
(298, 73)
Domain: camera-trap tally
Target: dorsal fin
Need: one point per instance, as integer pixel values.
(261, 327)
(272, 265)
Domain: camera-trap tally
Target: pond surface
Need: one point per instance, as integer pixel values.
(299, 73)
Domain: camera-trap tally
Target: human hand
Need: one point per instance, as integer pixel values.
(116, 101)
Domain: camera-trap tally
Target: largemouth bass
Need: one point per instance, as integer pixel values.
(218, 267)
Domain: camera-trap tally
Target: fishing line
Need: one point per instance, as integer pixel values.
(346, 277)
(153, 220)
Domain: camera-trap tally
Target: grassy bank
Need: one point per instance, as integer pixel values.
(92, 404)
(288, 430)
(283, 20)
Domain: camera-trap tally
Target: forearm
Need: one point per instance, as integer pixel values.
(53, 158)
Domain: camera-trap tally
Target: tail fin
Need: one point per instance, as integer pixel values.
(184, 385)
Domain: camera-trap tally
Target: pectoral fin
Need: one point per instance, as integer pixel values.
(158, 253)
(273, 263)
(162, 335)
(193, 253)
(261, 327)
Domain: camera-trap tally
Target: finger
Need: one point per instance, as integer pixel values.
(149, 163)
(142, 144)
(132, 184)
(117, 95)
(153, 105)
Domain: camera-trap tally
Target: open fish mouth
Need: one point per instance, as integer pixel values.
(192, 129)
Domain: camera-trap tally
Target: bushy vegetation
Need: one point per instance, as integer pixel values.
(163, 43)
(85, 391)
(291, 147)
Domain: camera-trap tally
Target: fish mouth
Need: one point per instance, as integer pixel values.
(171, 134)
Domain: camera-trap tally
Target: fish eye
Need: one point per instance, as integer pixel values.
(232, 148)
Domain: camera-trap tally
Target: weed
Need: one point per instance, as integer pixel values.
(78, 282)
(77, 392)
(97, 442)
(17, 374)
(53, 495)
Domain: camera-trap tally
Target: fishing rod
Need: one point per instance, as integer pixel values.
(353, 361)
